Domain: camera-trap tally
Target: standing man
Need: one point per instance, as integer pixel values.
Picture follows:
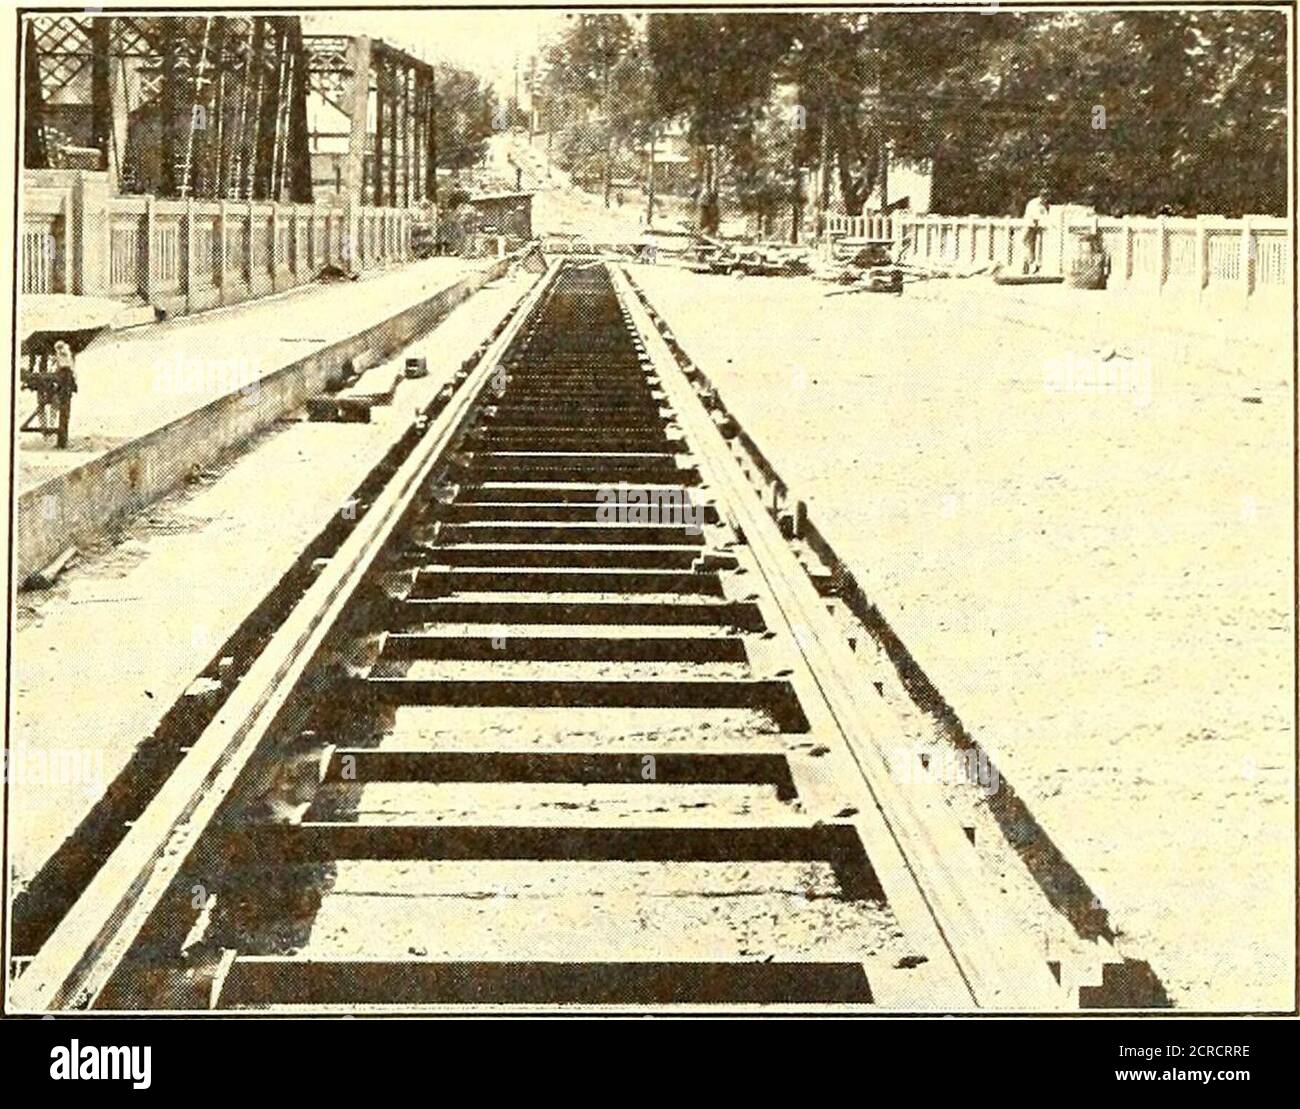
(1036, 217)
(65, 384)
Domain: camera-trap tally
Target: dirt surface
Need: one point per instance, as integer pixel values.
(1080, 524)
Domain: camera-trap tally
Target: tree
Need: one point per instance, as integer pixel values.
(1129, 111)
(1235, 97)
(718, 72)
(767, 162)
(591, 84)
(833, 64)
(465, 110)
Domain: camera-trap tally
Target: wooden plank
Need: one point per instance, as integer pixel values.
(359, 764)
(272, 981)
(330, 841)
(1026, 279)
(48, 574)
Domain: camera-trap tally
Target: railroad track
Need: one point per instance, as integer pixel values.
(561, 724)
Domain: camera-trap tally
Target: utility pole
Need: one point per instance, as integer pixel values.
(824, 171)
(883, 136)
(650, 181)
(884, 174)
(647, 106)
(168, 98)
(532, 98)
(433, 136)
(609, 121)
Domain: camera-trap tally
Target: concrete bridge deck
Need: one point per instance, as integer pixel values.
(134, 381)
(156, 403)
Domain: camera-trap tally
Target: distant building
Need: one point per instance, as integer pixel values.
(910, 184)
(509, 214)
(673, 164)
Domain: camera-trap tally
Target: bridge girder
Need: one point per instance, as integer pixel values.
(205, 106)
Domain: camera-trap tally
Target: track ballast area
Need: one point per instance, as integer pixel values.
(574, 734)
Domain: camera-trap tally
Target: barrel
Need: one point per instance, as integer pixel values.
(1089, 264)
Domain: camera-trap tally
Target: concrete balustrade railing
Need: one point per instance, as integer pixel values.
(1207, 255)
(187, 255)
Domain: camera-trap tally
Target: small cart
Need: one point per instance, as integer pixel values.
(55, 328)
(873, 265)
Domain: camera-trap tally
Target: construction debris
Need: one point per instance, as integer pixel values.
(755, 260)
(47, 575)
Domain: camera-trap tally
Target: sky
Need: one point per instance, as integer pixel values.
(486, 42)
